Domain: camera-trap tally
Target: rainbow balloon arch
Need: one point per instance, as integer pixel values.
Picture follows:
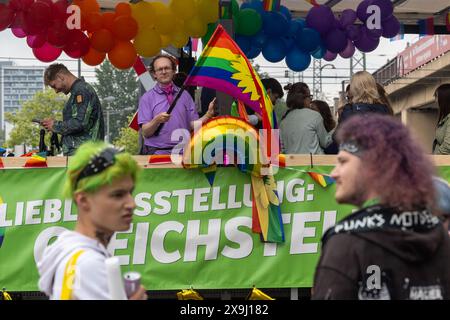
(144, 28)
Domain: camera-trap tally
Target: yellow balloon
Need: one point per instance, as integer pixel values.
(164, 21)
(208, 10)
(147, 42)
(196, 27)
(166, 39)
(179, 38)
(183, 9)
(143, 13)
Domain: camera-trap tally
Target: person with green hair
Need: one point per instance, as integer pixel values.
(100, 180)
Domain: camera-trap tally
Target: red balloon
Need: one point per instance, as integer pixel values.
(6, 16)
(47, 53)
(17, 26)
(39, 15)
(57, 34)
(77, 44)
(36, 41)
(59, 10)
(20, 5)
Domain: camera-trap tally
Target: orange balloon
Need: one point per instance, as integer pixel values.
(93, 57)
(102, 40)
(93, 21)
(125, 28)
(123, 55)
(123, 9)
(108, 20)
(87, 6)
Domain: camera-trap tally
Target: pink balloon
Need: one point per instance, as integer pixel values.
(348, 51)
(36, 41)
(18, 32)
(47, 53)
(17, 26)
(58, 34)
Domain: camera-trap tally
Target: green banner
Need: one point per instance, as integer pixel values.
(185, 233)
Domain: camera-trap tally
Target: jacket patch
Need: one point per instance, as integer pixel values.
(79, 98)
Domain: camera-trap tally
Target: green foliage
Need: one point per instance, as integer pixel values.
(124, 87)
(45, 104)
(128, 138)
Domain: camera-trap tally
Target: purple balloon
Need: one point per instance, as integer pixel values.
(330, 56)
(366, 43)
(391, 27)
(336, 41)
(47, 53)
(361, 11)
(353, 32)
(348, 17)
(386, 8)
(320, 18)
(337, 24)
(373, 33)
(349, 51)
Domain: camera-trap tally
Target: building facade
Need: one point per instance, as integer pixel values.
(17, 85)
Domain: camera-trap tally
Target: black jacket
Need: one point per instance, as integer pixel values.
(371, 258)
(358, 108)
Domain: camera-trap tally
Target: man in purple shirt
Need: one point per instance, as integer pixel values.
(154, 104)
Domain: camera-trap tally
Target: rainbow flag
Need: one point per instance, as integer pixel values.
(37, 160)
(322, 179)
(224, 67)
(159, 159)
(271, 5)
(426, 26)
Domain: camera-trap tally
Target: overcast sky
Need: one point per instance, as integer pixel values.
(16, 49)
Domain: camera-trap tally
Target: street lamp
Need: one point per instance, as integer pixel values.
(320, 71)
(107, 100)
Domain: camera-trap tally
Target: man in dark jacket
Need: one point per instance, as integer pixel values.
(82, 113)
(392, 247)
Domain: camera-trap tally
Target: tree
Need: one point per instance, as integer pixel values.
(124, 87)
(257, 68)
(44, 104)
(128, 138)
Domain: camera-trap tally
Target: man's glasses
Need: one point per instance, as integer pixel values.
(161, 70)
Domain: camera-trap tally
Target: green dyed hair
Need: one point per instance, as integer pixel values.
(124, 165)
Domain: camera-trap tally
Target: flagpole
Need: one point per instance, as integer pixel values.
(172, 105)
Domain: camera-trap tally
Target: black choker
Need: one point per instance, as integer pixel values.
(99, 163)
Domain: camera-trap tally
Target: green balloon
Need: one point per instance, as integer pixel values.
(249, 22)
(234, 10)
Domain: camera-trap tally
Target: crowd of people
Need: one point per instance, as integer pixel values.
(394, 246)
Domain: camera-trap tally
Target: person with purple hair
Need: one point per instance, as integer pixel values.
(392, 246)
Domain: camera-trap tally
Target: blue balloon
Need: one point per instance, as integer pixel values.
(274, 50)
(288, 41)
(286, 12)
(300, 21)
(259, 39)
(243, 42)
(308, 39)
(275, 24)
(298, 60)
(320, 52)
(254, 4)
(294, 27)
(253, 53)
